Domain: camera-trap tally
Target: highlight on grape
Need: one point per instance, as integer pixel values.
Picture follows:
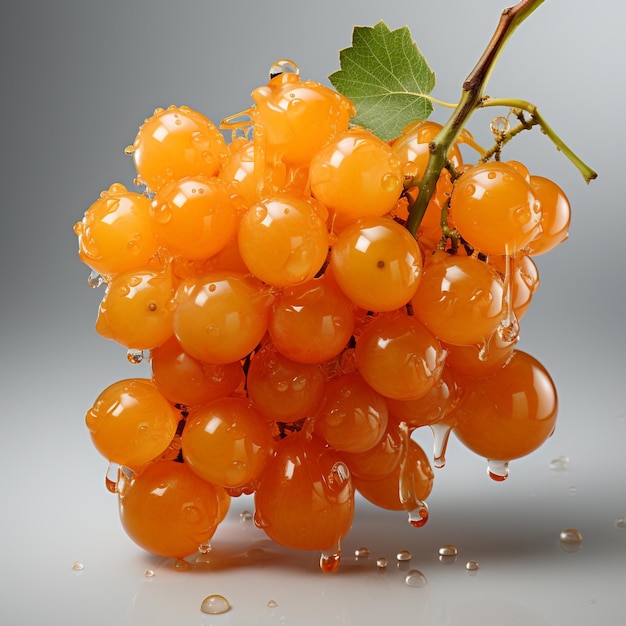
(300, 323)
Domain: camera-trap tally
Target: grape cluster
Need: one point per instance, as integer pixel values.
(297, 331)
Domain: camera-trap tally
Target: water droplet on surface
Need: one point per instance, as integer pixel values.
(381, 563)
(272, 604)
(245, 516)
(362, 552)
(415, 578)
(560, 464)
(620, 522)
(571, 536)
(404, 555)
(149, 573)
(134, 356)
(498, 470)
(204, 548)
(447, 549)
(180, 565)
(329, 560)
(471, 566)
(77, 566)
(215, 604)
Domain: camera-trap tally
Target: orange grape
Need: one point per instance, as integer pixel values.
(459, 298)
(377, 264)
(352, 417)
(220, 317)
(226, 442)
(304, 498)
(137, 309)
(131, 422)
(494, 208)
(185, 380)
(312, 322)
(283, 240)
(510, 413)
(399, 357)
(194, 217)
(175, 143)
(356, 175)
(116, 233)
(168, 510)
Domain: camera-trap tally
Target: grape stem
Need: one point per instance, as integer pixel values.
(472, 98)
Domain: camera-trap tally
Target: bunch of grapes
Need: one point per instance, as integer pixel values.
(297, 332)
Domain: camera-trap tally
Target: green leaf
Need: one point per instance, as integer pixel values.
(387, 78)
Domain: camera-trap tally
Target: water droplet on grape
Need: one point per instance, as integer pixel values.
(77, 566)
(560, 464)
(415, 578)
(129, 150)
(134, 356)
(471, 566)
(362, 553)
(410, 170)
(390, 182)
(215, 604)
(498, 470)
(95, 280)
(329, 560)
(281, 385)
(381, 563)
(161, 212)
(284, 66)
(404, 555)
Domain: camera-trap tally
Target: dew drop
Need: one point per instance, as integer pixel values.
(329, 560)
(491, 175)
(245, 516)
(415, 578)
(447, 549)
(149, 573)
(134, 356)
(471, 566)
(381, 563)
(272, 604)
(499, 125)
(571, 536)
(498, 470)
(215, 604)
(362, 553)
(404, 555)
(95, 280)
(77, 566)
(560, 464)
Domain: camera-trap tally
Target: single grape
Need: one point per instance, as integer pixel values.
(168, 510)
(555, 215)
(185, 380)
(494, 208)
(194, 217)
(304, 498)
(312, 322)
(174, 143)
(283, 240)
(377, 264)
(220, 317)
(137, 309)
(282, 389)
(226, 442)
(399, 357)
(509, 414)
(356, 175)
(116, 233)
(131, 422)
(353, 417)
(459, 298)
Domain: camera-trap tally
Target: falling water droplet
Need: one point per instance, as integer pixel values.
(403, 555)
(215, 604)
(329, 560)
(362, 553)
(441, 434)
(112, 477)
(620, 522)
(272, 604)
(415, 578)
(419, 516)
(134, 356)
(471, 566)
(77, 566)
(381, 562)
(95, 280)
(498, 470)
(560, 464)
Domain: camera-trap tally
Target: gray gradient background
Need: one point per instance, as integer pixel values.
(78, 78)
